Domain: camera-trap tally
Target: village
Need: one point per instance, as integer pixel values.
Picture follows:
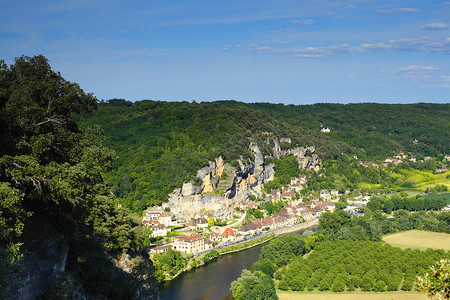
(201, 234)
(194, 236)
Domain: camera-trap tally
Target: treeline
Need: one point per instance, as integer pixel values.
(397, 202)
(160, 145)
(340, 225)
(375, 130)
(53, 195)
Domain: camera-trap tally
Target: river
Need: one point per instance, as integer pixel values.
(212, 281)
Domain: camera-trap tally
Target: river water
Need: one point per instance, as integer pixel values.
(212, 281)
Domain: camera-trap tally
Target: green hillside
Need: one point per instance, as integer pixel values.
(376, 129)
(160, 145)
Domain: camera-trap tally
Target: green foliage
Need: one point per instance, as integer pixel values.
(169, 262)
(51, 183)
(280, 250)
(273, 208)
(265, 266)
(253, 286)
(339, 226)
(436, 281)
(210, 255)
(162, 144)
(375, 130)
(371, 266)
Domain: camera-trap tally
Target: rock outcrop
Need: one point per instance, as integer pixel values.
(305, 155)
(43, 274)
(39, 268)
(222, 188)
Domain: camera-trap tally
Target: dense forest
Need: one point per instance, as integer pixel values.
(375, 130)
(60, 230)
(160, 145)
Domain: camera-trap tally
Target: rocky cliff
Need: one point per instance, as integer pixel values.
(222, 187)
(305, 155)
(43, 275)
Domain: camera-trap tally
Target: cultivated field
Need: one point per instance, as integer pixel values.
(352, 296)
(419, 239)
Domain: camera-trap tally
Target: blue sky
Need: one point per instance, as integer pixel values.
(285, 51)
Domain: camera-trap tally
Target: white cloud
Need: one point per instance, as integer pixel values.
(307, 22)
(399, 9)
(435, 26)
(416, 44)
(415, 68)
(351, 6)
(417, 73)
(285, 30)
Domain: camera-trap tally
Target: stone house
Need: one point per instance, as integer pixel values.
(189, 244)
(325, 195)
(287, 195)
(192, 225)
(202, 223)
(160, 230)
(160, 249)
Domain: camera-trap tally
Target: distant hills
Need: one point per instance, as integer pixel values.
(160, 145)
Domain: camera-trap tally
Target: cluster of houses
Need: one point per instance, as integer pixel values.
(287, 216)
(159, 222)
(395, 160)
(398, 159)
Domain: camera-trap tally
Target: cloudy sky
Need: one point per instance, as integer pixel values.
(285, 51)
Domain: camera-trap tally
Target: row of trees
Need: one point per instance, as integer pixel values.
(410, 204)
(340, 225)
(348, 254)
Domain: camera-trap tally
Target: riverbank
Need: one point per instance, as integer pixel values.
(244, 245)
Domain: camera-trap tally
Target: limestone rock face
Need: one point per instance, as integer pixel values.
(223, 187)
(188, 189)
(304, 160)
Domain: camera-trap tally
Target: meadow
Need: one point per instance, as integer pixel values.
(419, 239)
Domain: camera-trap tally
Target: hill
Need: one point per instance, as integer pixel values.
(160, 145)
(376, 130)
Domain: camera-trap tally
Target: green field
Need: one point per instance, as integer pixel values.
(422, 179)
(352, 296)
(419, 239)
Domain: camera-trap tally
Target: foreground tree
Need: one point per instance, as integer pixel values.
(52, 192)
(437, 281)
(253, 286)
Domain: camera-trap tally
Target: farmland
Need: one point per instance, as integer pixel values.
(419, 239)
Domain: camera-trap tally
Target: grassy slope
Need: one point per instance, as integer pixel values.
(419, 239)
